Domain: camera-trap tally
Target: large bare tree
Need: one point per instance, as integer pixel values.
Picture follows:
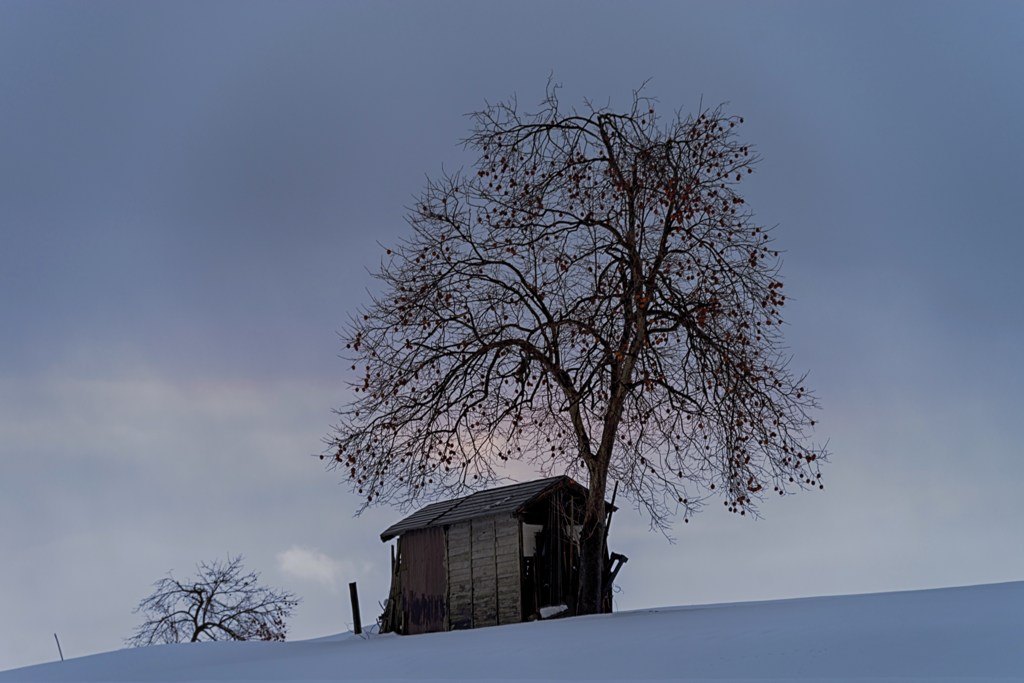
(595, 298)
(222, 602)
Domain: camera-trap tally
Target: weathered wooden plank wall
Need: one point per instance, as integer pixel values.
(424, 579)
(508, 562)
(485, 578)
(484, 562)
(460, 576)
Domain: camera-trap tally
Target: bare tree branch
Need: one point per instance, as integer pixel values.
(594, 298)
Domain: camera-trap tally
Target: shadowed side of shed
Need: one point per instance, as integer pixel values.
(424, 580)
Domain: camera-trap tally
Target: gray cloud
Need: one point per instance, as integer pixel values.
(191, 197)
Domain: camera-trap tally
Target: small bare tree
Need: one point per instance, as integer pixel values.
(220, 603)
(595, 298)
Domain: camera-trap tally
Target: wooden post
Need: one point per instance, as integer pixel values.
(608, 516)
(357, 625)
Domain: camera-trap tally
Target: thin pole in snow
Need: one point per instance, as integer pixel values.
(58, 647)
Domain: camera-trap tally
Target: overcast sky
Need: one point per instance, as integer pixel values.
(192, 197)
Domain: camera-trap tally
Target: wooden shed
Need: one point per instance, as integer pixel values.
(494, 557)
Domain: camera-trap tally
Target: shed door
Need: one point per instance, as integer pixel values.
(424, 580)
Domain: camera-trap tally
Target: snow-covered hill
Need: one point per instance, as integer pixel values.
(972, 633)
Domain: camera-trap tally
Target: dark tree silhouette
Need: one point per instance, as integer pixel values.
(594, 298)
(220, 603)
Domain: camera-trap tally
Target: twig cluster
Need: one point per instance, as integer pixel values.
(223, 602)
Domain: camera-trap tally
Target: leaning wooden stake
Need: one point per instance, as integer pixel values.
(607, 575)
(59, 651)
(391, 620)
(608, 516)
(357, 625)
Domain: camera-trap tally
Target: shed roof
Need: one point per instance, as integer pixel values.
(508, 499)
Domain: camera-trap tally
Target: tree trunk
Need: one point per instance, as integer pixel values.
(593, 554)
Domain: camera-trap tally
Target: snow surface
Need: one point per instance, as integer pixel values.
(966, 634)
